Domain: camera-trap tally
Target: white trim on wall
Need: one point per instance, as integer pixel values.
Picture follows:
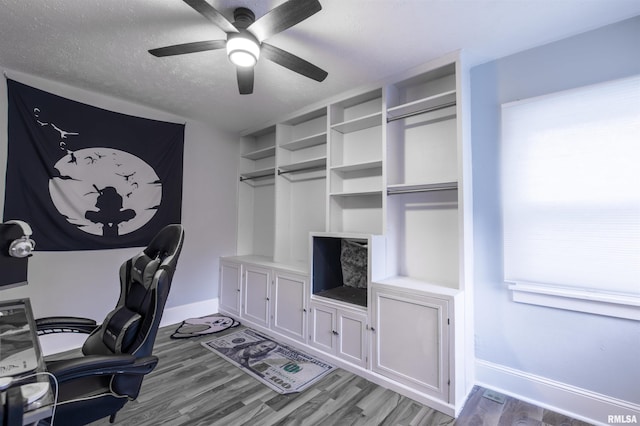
(178, 314)
(613, 305)
(576, 402)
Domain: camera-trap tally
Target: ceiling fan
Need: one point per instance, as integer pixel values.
(245, 39)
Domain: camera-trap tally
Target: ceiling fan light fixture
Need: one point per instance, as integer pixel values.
(245, 38)
(243, 49)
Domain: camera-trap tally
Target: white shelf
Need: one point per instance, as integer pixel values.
(260, 153)
(420, 187)
(305, 142)
(355, 193)
(357, 166)
(407, 283)
(303, 165)
(360, 123)
(431, 103)
(269, 262)
(267, 172)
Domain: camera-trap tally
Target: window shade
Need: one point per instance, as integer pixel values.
(571, 189)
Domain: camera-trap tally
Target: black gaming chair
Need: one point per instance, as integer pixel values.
(117, 353)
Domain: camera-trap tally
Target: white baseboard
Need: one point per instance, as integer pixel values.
(56, 343)
(180, 313)
(560, 397)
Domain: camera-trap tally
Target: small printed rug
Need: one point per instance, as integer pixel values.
(283, 369)
(193, 327)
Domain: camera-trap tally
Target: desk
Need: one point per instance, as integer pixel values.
(21, 357)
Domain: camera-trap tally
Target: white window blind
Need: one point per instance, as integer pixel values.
(571, 197)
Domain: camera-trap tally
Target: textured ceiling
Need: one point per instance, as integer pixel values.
(101, 45)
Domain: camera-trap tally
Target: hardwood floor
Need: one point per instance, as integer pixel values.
(193, 386)
(480, 410)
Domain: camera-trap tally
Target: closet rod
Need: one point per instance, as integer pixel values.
(303, 169)
(242, 178)
(421, 111)
(426, 189)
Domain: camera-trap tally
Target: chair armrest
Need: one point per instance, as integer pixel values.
(101, 365)
(65, 325)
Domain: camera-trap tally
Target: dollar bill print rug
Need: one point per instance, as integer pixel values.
(282, 368)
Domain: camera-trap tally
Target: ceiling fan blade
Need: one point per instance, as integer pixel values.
(245, 80)
(181, 49)
(206, 10)
(291, 61)
(282, 17)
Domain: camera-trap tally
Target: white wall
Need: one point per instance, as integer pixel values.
(85, 283)
(580, 363)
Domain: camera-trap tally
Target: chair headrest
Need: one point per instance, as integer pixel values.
(167, 242)
(143, 270)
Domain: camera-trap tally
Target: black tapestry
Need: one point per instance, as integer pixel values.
(86, 178)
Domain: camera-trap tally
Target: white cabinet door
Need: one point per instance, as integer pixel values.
(288, 305)
(411, 340)
(322, 327)
(230, 273)
(340, 332)
(352, 337)
(256, 284)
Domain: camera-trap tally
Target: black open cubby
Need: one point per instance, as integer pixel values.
(327, 279)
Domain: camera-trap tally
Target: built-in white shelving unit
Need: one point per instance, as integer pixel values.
(257, 192)
(388, 165)
(301, 184)
(355, 167)
(422, 180)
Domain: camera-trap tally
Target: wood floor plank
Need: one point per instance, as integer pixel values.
(371, 400)
(287, 411)
(376, 409)
(556, 419)
(406, 410)
(485, 411)
(433, 417)
(313, 409)
(520, 413)
(230, 416)
(343, 406)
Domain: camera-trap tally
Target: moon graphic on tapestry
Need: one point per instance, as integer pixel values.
(105, 191)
